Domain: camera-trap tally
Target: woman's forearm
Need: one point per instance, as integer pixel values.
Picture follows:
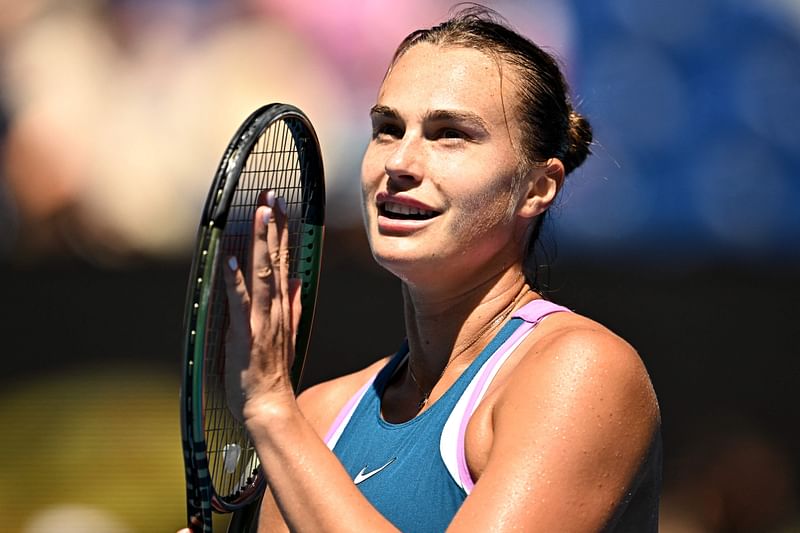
(310, 487)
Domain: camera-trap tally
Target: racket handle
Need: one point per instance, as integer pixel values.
(245, 520)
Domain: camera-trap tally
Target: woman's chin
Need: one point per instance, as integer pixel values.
(393, 261)
(406, 266)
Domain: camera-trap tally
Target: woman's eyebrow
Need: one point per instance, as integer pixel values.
(382, 111)
(463, 117)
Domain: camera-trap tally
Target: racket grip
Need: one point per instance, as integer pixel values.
(245, 520)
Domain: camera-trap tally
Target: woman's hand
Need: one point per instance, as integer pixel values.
(264, 316)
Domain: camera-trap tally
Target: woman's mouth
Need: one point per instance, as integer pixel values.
(398, 211)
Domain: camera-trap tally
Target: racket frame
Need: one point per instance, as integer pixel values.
(202, 498)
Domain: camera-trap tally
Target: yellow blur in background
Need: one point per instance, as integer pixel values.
(97, 451)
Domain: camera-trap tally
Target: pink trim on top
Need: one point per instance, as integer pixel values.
(536, 310)
(532, 313)
(347, 411)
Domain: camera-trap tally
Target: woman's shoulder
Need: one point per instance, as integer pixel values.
(577, 359)
(573, 345)
(322, 402)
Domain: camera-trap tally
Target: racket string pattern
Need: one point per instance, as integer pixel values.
(276, 149)
(233, 463)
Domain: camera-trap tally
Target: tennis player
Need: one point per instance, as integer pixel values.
(501, 410)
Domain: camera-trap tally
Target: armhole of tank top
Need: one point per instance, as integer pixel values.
(346, 413)
(451, 445)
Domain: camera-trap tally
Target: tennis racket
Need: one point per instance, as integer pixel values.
(275, 149)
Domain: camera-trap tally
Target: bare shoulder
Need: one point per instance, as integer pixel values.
(571, 356)
(321, 403)
(576, 372)
(576, 350)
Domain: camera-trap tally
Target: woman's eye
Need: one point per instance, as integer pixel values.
(450, 133)
(387, 130)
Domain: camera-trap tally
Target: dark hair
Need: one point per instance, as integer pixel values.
(549, 125)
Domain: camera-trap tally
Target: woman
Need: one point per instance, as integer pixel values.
(502, 411)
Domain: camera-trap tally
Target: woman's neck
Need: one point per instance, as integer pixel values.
(449, 329)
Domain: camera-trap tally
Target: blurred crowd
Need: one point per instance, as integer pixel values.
(114, 113)
(117, 111)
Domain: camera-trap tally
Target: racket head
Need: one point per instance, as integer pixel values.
(275, 149)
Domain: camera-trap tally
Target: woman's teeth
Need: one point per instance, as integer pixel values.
(400, 209)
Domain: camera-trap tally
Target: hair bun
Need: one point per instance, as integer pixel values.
(579, 138)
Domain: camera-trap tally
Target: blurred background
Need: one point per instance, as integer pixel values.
(681, 233)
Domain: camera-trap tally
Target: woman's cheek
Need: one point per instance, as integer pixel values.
(483, 210)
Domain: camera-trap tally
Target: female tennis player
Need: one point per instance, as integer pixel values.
(501, 410)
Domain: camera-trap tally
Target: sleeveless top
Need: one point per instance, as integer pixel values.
(415, 472)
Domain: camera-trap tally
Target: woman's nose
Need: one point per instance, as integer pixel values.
(405, 161)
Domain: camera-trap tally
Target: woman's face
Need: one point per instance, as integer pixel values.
(438, 174)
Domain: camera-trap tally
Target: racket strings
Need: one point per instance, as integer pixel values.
(276, 162)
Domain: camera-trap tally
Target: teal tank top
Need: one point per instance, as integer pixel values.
(415, 473)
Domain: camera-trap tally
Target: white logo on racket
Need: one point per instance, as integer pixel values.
(230, 457)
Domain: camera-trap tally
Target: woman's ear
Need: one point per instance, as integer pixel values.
(541, 184)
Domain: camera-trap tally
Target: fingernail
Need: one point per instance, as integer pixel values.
(233, 264)
(270, 198)
(282, 204)
(267, 214)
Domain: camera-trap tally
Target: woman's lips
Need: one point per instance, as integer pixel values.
(401, 215)
(401, 205)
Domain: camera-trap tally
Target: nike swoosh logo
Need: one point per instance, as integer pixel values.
(364, 475)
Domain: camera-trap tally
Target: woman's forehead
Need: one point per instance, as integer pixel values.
(451, 78)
